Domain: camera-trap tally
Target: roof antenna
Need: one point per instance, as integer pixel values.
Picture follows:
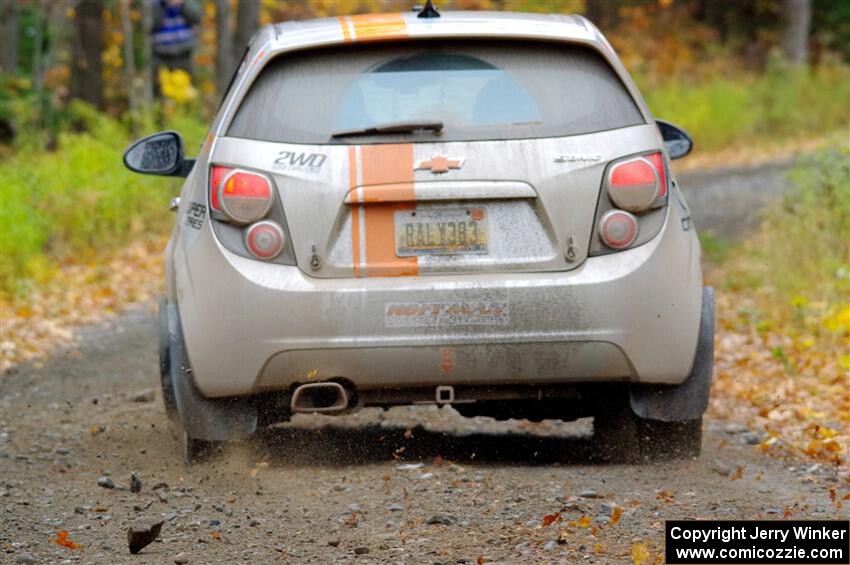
(428, 10)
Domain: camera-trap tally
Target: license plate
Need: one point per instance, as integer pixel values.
(443, 231)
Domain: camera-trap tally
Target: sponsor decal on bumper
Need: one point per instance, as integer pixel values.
(445, 314)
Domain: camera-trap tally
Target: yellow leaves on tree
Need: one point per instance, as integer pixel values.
(176, 84)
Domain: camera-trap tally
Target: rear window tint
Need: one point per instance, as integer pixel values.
(478, 90)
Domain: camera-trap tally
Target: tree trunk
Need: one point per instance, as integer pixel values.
(56, 25)
(224, 44)
(247, 22)
(795, 35)
(38, 62)
(603, 13)
(87, 68)
(147, 55)
(9, 45)
(129, 57)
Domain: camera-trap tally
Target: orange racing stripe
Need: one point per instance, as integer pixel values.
(382, 165)
(375, 27)
(346, 33)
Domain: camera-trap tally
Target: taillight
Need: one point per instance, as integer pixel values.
(657, 160)
(618, 229)
(247, 214)
(634, 185)
(217, 174)
(633, 205)
(245, 197)
(265, 240)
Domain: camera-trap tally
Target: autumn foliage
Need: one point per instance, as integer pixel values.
(782, 363)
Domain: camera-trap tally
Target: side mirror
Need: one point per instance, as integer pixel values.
(158, 154)
(677, 140)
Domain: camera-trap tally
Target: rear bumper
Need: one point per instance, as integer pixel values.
(629, 316)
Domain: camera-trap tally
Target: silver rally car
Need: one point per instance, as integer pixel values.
(473, 209)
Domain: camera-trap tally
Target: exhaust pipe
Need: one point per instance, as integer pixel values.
(325, 398)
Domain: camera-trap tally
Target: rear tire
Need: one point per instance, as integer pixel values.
(623, 437)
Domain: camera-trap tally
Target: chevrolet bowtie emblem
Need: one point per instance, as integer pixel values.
(439, 164)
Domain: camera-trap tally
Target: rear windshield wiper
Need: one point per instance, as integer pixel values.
(392, 127)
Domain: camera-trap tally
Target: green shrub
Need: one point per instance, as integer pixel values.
(806, 237)
(79, 200)
(799, 259)
(782, 103)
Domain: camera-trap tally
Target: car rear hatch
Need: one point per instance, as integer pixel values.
(509, 184)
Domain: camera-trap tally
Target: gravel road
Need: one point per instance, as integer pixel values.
(726, 201)
(417, 485)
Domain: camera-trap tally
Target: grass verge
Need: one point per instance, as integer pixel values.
(752, 110)
(77, 202)
(782, 359)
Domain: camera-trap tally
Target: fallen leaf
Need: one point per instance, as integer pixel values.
(215, 535)
(584, 522)
(550, 519)
(739, 473)
(616, 514)
(597, 549)
(640, 553)
(480, 560)
(62, 539)
(352, 521)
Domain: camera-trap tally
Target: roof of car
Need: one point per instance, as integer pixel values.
(275, 39)
(399, 26)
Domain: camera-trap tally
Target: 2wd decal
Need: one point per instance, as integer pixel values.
(196, 214)
(300, 162)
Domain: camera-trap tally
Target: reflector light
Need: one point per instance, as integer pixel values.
(217, 173)
(633, 185)
(264, 240)
(618, 229)
(245, 197)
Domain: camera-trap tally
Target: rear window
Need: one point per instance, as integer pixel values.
(478, 90)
